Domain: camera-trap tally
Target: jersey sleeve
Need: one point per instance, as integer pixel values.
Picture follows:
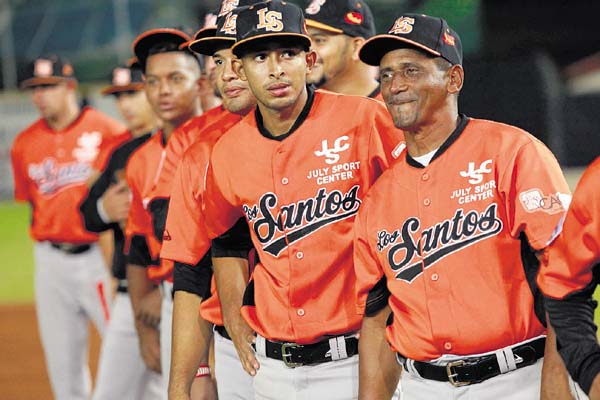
(386, 141)
(535, 192)
(19, 175)
(370, 297)
(219, 204)
(185, 239)
(572, 256)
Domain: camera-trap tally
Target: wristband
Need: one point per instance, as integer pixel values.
(203, 370)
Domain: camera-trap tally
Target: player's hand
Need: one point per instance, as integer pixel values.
(243, 338)
(204, 388)
(149, 310)
(150, 346)
(116, 201)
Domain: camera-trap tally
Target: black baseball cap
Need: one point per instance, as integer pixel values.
(351, 17)
(431, 34)
(169, 36)
(209, 40)
(49, 70)
(264, 21)
(125, 78)
(209, 28)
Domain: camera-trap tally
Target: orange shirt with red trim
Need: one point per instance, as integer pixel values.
(50, 170)
(299, 194)
(574, 253)
(446, 237)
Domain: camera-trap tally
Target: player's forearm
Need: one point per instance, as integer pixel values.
(555, 383)
(595, 389)
(231, 276)
(191, 338)
(379, 371)
(138, 286)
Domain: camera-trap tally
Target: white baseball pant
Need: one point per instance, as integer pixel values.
(70, 289)
(122, 373)
(333, 380)
(232, 381)
(166, 324)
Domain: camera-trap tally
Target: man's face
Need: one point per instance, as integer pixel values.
(276, 74)
(413, 86)
(134, 109)
(50, 100)
(171, 85)
(334, 53)
(235, 92)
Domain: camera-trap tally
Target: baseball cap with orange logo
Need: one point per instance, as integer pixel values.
(267, 21)
(351, 17)
(430, 34)
(47, 71)
(170, 40)
(126, 78)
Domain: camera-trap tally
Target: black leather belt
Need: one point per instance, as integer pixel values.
(468, 371)
(71, 248)
(295, 355)
(222, 331)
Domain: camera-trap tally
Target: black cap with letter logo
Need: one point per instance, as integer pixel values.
(265, 21)
(351, 17)
(49, 70)
(169, 38)
(127, 78)
(430, 34)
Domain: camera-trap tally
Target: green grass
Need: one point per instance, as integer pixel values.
(16, 254)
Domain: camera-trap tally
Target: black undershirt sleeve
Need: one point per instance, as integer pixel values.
(139, 254)
(89, 207)
(573, 321)
(193, 279)
(235, 242)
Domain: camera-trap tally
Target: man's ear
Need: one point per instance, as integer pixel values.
(357, 43)
(238, 68)
(311, 59)
(457, 78)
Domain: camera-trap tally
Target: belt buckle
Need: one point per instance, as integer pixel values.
(452, 375)
(287, 357)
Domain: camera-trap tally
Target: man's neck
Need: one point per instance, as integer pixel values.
(358, 81)
(279, 122)
(431, 136)
(170, 126)
(143, 129)
(65, 118)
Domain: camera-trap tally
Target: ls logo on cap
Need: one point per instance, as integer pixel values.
(229, 26)
(269, 20)
(402, 26)
(228, 6)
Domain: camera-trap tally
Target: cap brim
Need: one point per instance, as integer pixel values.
(39, 81)
(373, 50)
(210, 45)
(132, 87)
(311, 23)
(244, 45)
(142, 44)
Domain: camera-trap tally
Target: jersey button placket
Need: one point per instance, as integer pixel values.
(300, 312)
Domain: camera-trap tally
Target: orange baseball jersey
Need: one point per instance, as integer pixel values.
(206, 128)
(454, 241)
(51, 169)
(185, 239)
(299, 193)
(576, 250)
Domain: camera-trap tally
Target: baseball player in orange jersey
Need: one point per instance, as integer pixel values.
(569, 277)
(318, 153)
(186, 241)
(450, 233)
(52, 160)
(121, 370)
(338, 28)
(171, 85)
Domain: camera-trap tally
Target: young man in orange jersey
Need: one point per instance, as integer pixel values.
(121, 370)
(186, 241)
(569, 278)
(338, 28)
(296, 169)
(52, 161)
(446, 240)
(171, 84)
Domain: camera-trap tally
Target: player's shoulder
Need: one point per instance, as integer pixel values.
(590, 178)
(98, 120)
(500, 135)
(147, 151)
(31, 132)
(323, 96)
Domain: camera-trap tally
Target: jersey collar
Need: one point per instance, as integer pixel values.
(462, 123)
(299, 121)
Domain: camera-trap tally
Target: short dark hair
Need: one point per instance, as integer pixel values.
(167, 47)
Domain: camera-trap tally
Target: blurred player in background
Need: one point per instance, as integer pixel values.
(121, 370)
(52, 161)
(338, 28)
